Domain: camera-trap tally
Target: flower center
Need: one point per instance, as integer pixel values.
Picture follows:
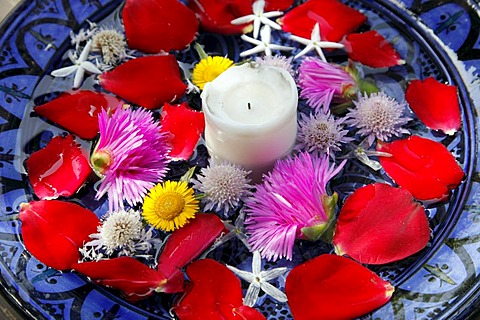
(101, 160)
(169, 205)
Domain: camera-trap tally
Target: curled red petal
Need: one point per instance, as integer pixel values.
(133, 278)
(153, 26)
(380, 224)
(186, 244)
(54, 230)
(372, 49)
(59, 169)
(147, 81)
(435, 104)
(333, 287)
(334, 18)
(77, 111)
(422, 166)
(185, 126)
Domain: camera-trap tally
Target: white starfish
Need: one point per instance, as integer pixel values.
(259, 281)
(264, 44)
(79, 66)
(259, 17)
(315, 43)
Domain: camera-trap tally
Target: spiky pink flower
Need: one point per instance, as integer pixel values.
(321, 83)
(131, 155)
(291, 203)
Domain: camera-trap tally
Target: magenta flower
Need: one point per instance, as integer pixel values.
(321, 83)
(291, 203)
(131, 155)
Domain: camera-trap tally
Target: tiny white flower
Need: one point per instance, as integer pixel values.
(259, 17)
(259, 279)
(264, 44)
(315, 43)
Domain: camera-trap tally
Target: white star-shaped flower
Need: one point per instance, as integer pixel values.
(79, 66)
(258, 280)
(315, 43)
(259, 17)
(264, 44)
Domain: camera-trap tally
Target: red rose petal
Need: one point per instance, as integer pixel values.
(335, 19)
(215, 293)
(380, 224)
(247, 313)
(59, 169)
(54, 230)
(372, 49)
(332, 287)
(147, 81)
(435, 104)
(133, 278)
(276, 5)
(186, 244)
(185, 126)
(153, 26)
(77, 111)
(422, 166)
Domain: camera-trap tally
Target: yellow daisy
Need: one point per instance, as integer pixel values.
(208, 69)
(169, 205)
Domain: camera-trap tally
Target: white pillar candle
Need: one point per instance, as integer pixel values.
(251, 115)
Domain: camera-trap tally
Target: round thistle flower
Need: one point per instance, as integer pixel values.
(120, 230)
(378, 116)
(224, 185)
(208, 69)
(291, 203)
(277, 61)
(169, 205)
(321, 134)
(321, 83)
(111, 44)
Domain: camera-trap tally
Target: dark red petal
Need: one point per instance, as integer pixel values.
(422, 166)
(59, 169)
(133, 278)
(333, 287)
(214, 294)
(379, 224)
(185, 126)
(247, 313)
(435, 104)
(186, 244)
(153, 26)
(371, 49)
(77, 111)
(335, 19)
(147, 81)
(54, 230)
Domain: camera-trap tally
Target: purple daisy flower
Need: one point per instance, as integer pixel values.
(131, 155)
(321, 82)
(292, 197)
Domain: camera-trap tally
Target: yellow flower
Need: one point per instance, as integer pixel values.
(208, 69)
(169, 205)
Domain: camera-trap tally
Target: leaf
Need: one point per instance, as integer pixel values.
(215, 293)
(54, 230)
(133, 278)
(371, 49)
(422, 166)
(334, 18)
(435, 104)
(185, 245)
(333, 287)
(153, 26)
(147, 81)
(380, 224)
(185, 126)
(59, 169)
(77, 111)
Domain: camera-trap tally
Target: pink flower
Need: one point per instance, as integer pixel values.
(321, 82)
(131, 155)
(291, 203)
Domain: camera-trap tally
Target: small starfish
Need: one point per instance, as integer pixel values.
(259, 280)
(79, 66)
(259, 17)
(315, 43)
(263, 45)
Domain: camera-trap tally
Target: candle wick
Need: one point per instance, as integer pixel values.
(249, 106)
